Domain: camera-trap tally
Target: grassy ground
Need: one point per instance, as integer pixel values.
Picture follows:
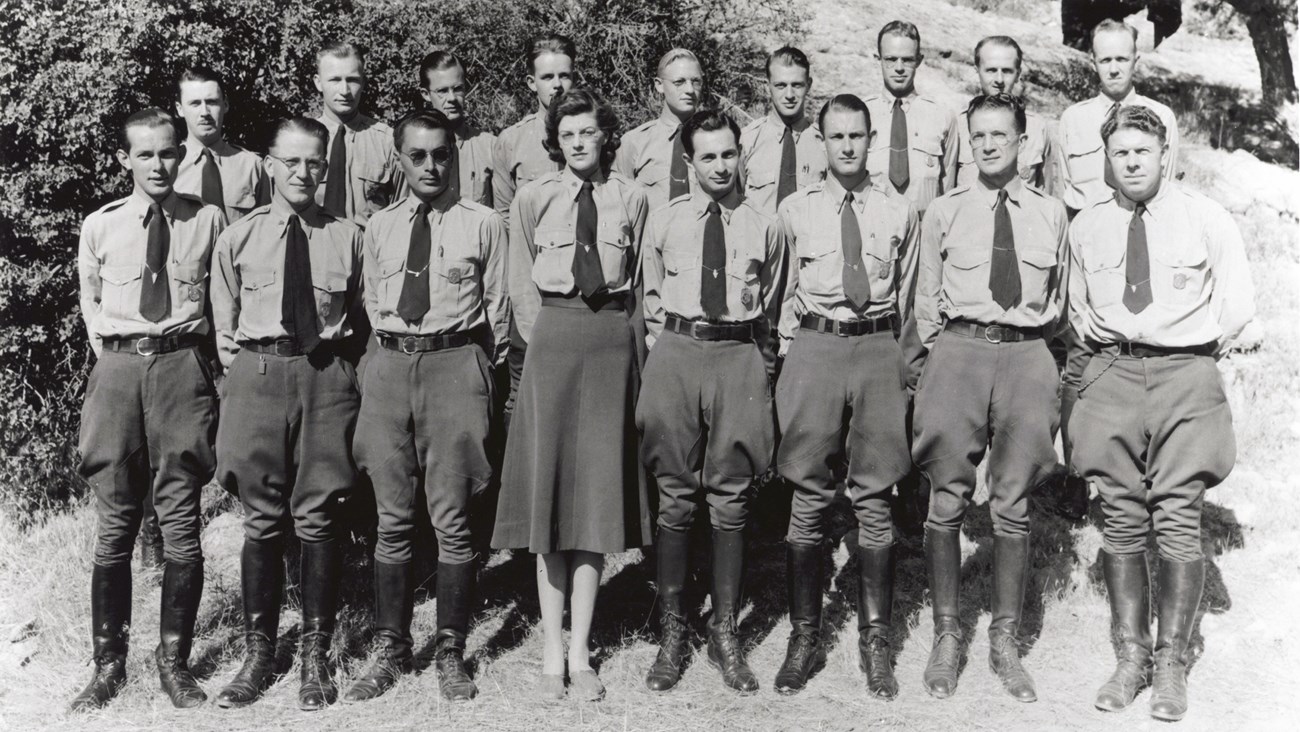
(1247, 642)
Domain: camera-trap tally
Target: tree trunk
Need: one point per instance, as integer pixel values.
(1267, 22)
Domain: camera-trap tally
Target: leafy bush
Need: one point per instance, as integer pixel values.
(73, 69)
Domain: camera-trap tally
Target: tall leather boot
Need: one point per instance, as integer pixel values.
(110, 612)
(455, 593)
(804, 654)
(261, 573)
(1010, 572)
(875, 613)
(725, 651)
(1129, 586)
(394, 606)
(671, 551)
(943, 557)
(1181, 584)
(182, 586)
(320, 570)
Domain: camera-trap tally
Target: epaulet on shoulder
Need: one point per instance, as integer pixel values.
(803, 193)
(644, 126)
(612, 175)
(959, 190)
(112, 205)
(753, 210)
(190, 198)
(381, 126)
(390, 207)
(754, 124)
(871, 98)
(680, 199)
(550, 177)
(475, 206)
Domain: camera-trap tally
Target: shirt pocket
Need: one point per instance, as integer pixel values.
(120, 294)
(653, 174)
(553, 262)
(743, 285)
(375, 182)
(1036, 276)
(1103, 268)
(615, 249)
(331, 291)
(189, 282)
(926, 160)
(242, 196)
(879, 256)
(1085, 160)
(389, 284)
(1178, 276)
(820, 271)
(966, 275)
(760, 181)
(681, 288)
(455, 284)
(259, 300)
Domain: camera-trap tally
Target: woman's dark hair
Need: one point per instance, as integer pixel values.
(583, 101)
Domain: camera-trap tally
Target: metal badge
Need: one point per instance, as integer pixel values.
(453, 276)
(1180, 281)
(747, 298)
(884, 270)
(929, 160)
(325, 310)
(195, 293)
(1026, 173)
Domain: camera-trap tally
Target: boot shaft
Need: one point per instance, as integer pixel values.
(394, 600)
(261, 565)
(727, 580)
(803, 576)
(875, 590)
(182, 589)
(320, 567)
(110, 609)
(1128, 586)
(1181, 584)
(1010, 574)
(943, 565)
(455, 589)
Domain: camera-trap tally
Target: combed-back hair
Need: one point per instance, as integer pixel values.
(1110, 24)
(549, 43)
(200, 73)
(844, 103)
(1005, 101)
(437, 61)
(583, 101)
(421, 119)
(342, 49)
(788, 56)
(148, 117)
(676, 54)
(306, 125)
(899, 28)
(709, 119)
(1005, 42)
(1134, 117)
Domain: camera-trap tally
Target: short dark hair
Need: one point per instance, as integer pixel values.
(899, 28)
(1004, 41)
(709, 119)
(1008, 102)
(148, 117)
(437, 61)
(342, 49)
(200, 73)
(788, 56)
(305, 125)
(844, 103)
(1134, 117)
(1112, 25)
(583, 101)
(421, 119)
(549, 43)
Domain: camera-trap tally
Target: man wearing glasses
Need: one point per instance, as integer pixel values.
(434, 267)
(653, 154)
(286, 293)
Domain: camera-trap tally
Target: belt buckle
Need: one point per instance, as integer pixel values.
(408, 345)
(146, 347)
(837, 330)
(989, 331)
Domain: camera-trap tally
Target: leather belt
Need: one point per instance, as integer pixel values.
(1141, 350)
(993, 333)
(617, 301)
(423, 344)
(154, 346)
(282, 347)
(845, 328)
(702, 330)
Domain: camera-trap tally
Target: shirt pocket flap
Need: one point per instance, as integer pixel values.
(1040, 258)
(614, 238)
(256, 279)
(1100, 258)
(552, 238)
(390, 267)
(968, 257)
(457, 270)
(332, 282)
(760, 177)
(928, 145)
(817, 247)
(120, 275)
(1080, 148)
(1185, 256)
(245, 196)
(372, 170)
(677, 262)
(190, 274)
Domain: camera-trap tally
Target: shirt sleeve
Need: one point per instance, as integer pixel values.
(1171, 139)
(789, 318)
(91, 286)
(929, 278)
(908, 261)
(1077, 288)
(357, 315)
(1060, 283)
(225, 298)
(503, 182)
(496, 301)
(370, 271)
(262, 189)
(771, 281)
(652, 272)
(625, 159)
(525, 300)
(951, 149)
(1232, 301)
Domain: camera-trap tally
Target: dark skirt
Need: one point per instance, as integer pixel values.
(572, 478)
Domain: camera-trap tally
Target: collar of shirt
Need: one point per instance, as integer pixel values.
(440, 204)
(700, 204)
(907, 99)
(835, 190)
(194, 148)
(1106, 102)
(466, 131)
(1153, 205)
(358, 123)
(138, 204)
(989, 194)
(574, 183)
(281, 211)
(779, 126)
(668, 122)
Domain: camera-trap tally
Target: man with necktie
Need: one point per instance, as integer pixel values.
(841, 399)
(712, 268)
(782, 152)
(443, 87)
(990, 292)
(286, 294)
(214, 170)
(434, 267)
(149, 417)
(1159, 288)
(653, 154)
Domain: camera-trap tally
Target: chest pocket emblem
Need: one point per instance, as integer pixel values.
(1180, 281)
(884, 270)
(747, 298)
(453, 276)
(195, 294)
(929, 161)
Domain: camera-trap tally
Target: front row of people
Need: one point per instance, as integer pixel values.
(720, 293)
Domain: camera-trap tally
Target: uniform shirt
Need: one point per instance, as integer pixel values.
(1201, 287)
(248, 276)
(932, 154)
(1036, 154)
(956, 254)
(244, 183)
(467, 268)
(810, 224)
(474, 164)
(1083, 154)
(519, 158)
(673, 250)
(111, 259)
(375, 178)
(543, 219)
(760, 159)
(645, 156)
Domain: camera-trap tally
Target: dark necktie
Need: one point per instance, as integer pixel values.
(587, 273)
(413, 303)
(155, 286)
(1108, 173)
(713, 275)
(336, 180)
(298, 301)
(787, 183)
(857, 286)
(899, 173)
(1004, 270)
(211, 193)
(1137, 264)
(677, 184)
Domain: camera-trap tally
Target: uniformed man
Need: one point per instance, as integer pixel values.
(841, 400)
(434, 267)
(214, 170)
(712, 268)
(990, 291)
(998, 62)
(1159, 288)
(782, 152)
(442, 84)
(149, 417)
(915, 151)
(363, 174)
(286, 293)
(652, 154)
